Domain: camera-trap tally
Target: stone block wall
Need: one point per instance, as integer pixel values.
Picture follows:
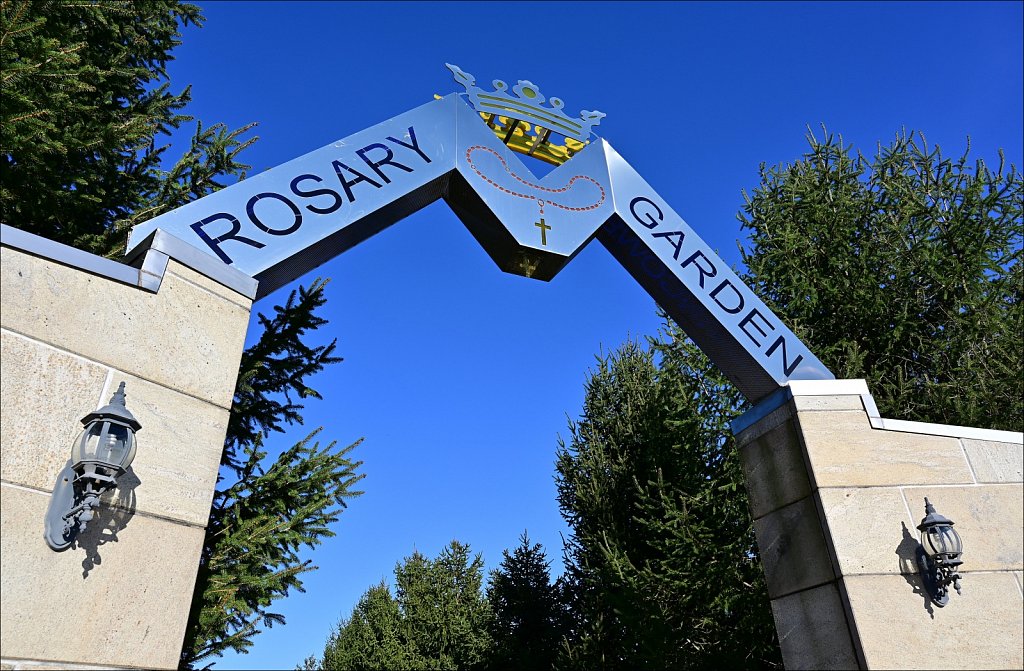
(837, 492)
(72, 327)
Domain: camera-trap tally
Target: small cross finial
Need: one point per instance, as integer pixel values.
(544, 228)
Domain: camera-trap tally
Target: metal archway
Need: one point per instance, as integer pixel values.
(286, 221)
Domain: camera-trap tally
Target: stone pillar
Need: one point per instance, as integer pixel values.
(73, 327)
(837, 492)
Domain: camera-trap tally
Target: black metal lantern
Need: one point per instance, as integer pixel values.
(942, 548)
(103, 452)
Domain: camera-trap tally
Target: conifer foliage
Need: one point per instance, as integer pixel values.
(662, 568)
(906, 269)
(438, 619)
(85, 112)
(441, 618)
(264, 512)
(529, 614)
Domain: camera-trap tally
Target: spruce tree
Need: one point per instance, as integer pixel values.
(905, 269)
(529, 615)
(661, 562)
(438, 619)
(445, 614)
(371, 638)
(86, 112)
(86, 117)
(264, 513)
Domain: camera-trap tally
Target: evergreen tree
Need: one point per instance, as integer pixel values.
(263, 515)
(438, 618)
(373, 637)
(86, 113)
(905, 270)
(529, 616)
(85, 104)
(661, 563)
(445, 613)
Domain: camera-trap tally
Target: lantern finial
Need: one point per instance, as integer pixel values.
(119, 397)
(115, 410)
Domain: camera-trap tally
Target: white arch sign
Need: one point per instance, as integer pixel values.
(282, 223)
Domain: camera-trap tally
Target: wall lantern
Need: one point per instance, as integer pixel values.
(942, 547)
(99, 456)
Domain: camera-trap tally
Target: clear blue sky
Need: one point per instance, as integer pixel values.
(460, 377)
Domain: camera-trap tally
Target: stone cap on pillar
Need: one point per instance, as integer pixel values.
(145, 265)
(859, 387)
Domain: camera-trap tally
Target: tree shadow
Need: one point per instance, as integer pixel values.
(913, 568)
(111, 517)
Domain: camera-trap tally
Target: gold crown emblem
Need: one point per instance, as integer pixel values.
(524, 123)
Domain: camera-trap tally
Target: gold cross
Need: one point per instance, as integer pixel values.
(544, 228)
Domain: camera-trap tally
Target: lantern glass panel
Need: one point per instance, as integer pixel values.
(107, 443)
(950, 540)
(87, 445)
(133, 444)
(941, 540)
(115, 445)
(932, 541)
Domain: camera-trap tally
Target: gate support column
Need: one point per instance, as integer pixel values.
(74, 326)
(836, 493)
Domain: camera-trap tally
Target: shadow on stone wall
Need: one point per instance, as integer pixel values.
(112, 516)
(912, 559)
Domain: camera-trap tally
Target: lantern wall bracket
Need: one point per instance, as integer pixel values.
(59, 534)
